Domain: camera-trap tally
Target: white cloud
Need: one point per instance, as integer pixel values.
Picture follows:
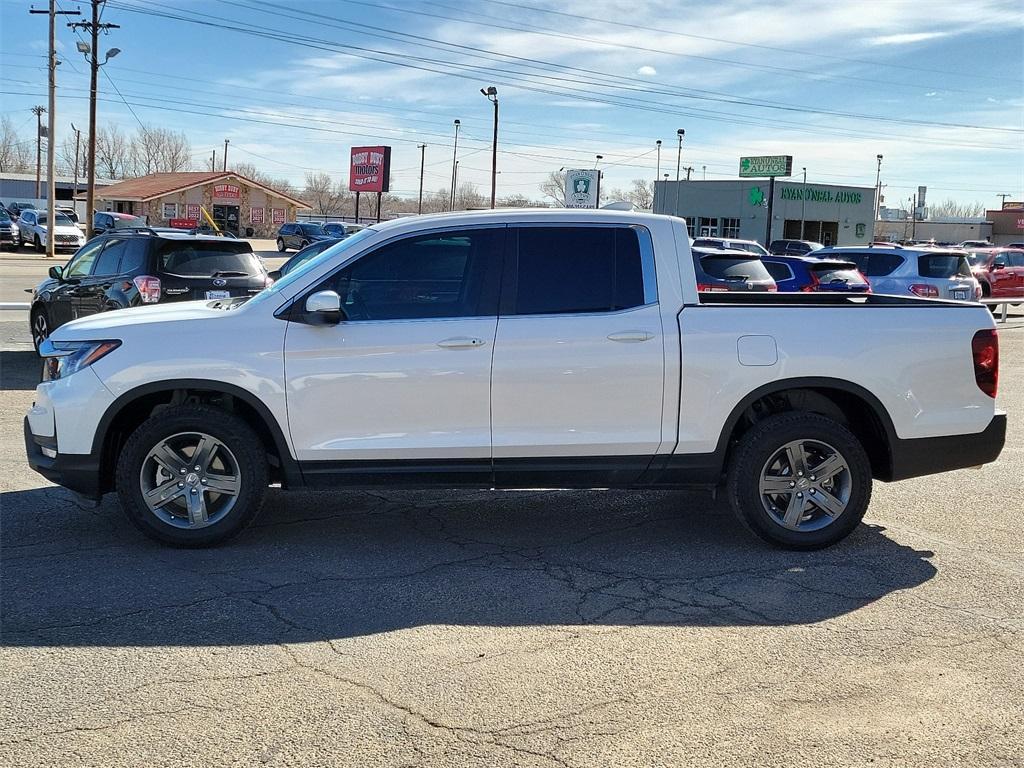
(906, 38)
(647, 71)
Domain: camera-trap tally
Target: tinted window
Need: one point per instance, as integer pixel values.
(777, 270)
(135, 256)
(1016, 259)
(577, 269)
(81, 264)
(733, 267)
(834, 273)
(943, 266)
(110, 259)
(875, 264)
(429, 276)
(208, 258)
(287, 229)
(125, 223)
(311, 229)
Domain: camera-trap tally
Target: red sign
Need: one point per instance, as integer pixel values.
(182, 223)
(255, 215)
(277, 215)
(369, 168)
(229, 191)
(1020, 223)
(192, 212)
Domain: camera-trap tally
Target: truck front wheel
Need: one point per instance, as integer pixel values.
(192, 476)
(800, 480)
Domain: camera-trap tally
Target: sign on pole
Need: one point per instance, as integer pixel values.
(766, 165)
(369, 169)
(582, 188)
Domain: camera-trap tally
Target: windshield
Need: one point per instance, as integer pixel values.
(311, 229)
(60, 218)
(335, 252)
(977, 259)
(201, 258)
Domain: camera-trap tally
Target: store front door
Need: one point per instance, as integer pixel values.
(226, 217)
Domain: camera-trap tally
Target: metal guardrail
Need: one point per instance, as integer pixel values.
(1005, 303)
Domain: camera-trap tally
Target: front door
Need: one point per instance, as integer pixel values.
(226, 217)
(579, 358)
(402, 384)
(65, 302)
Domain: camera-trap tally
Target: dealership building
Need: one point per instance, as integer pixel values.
(236, 204)
(825, 213)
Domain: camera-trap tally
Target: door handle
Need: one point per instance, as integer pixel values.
(631, 336)
(461, 342)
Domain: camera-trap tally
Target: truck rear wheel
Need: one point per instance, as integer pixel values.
(192, 476)
(800, 480)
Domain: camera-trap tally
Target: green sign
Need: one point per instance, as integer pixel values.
(766, 165)
(756, 196)
(818, 195)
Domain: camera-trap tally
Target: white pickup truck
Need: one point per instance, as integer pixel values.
(515, 349)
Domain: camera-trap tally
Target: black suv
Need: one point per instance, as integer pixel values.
(128, 268)
(298, 235)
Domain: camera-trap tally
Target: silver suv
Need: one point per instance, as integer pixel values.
(933, 273)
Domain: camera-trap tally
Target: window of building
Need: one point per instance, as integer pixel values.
(578, 269)
(707, 227)
(730, 227)
(170, 210)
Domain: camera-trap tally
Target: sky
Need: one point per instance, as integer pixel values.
(935, 87)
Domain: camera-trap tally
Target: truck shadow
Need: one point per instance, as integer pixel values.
(320, 567)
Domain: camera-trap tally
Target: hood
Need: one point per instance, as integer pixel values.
(61, 229)
(107, 325)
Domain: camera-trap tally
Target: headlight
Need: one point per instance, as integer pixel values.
(63, 358)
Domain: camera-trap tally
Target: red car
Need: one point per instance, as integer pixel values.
(999, 270)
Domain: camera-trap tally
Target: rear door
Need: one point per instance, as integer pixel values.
(577, 381)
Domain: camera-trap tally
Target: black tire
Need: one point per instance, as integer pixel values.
(281, 247)
(39, 326)
(762, 444)
(246, 451)
(38, 244)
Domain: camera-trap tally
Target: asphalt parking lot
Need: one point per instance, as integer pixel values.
(513, 629)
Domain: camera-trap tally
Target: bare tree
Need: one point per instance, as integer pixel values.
(641, 194)
(324, 195)
(468, 196)
(112, 153)
(553, 187)
(519, 200)
(950, 208)
(15, 153)
(159, 150)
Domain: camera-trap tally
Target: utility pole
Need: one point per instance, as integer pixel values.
(679, 158)
(492, 95)
(423, 157)
(78, 139)
(455, 165)
(878, 193)
(704, 168)
(1002, 200)
(213, 161)
(226, 142)
(92, 54)
(689, 170)
(51, 127)
(38, 112)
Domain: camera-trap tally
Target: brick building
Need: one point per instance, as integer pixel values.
(237, 204)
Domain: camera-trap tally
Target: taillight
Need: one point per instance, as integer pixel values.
(977, 292)
(711, 287)
(925, 290)
(773, 287)
(149, 288)
(985, 348)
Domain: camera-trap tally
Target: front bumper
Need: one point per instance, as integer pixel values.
(931, 455)
(77, 472)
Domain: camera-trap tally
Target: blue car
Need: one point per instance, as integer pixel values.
(807, 273)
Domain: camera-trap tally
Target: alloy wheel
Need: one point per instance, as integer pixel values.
(40, 328)
(190, 480)
(805, 485)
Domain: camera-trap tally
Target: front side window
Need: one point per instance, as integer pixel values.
(439, 275)
(81, 264)
(578, 269)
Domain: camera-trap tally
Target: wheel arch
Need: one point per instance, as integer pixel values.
(136, 405)
(848, 403)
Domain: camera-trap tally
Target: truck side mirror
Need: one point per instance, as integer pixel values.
(324, 308)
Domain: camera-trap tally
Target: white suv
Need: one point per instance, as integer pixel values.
(33, 228)
(515, 349)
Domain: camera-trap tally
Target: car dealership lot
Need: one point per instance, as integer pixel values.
(533, 628)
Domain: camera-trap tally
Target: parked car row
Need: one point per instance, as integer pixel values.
(296, 235)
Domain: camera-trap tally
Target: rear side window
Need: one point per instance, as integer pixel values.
(778, 270)
(1016, 258)
(578, 269)
(735, 268)
(208, 258)
(875, 264)
(943, 265)
(110, 258)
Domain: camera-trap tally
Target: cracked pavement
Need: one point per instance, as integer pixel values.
(539, 629)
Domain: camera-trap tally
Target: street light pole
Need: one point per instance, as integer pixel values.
(226, 142)
(878, 194)
(38, 112)
(423, 156)
(492, 95)
(78, 139)
(679, 159)
(658, 174)
(455, 155)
